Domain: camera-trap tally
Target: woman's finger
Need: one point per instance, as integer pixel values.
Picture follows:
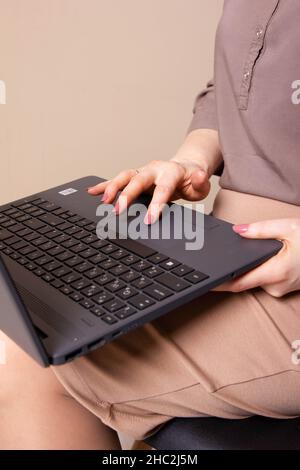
(280, 229)
(98, 189)
(268, 273)
(140, 183)
(162, 194)
(197, 186)
(115, 185)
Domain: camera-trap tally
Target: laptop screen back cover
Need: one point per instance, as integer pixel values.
(15, 321)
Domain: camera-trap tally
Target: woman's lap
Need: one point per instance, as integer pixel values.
(226, 355)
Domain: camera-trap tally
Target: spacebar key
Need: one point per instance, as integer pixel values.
(137, 248)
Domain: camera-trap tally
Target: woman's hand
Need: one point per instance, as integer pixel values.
(170, 179)
(279, 275)
(184, 176)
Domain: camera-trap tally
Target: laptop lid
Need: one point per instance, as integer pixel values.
(15, 320)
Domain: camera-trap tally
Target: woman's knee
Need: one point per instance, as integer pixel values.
(21, 377)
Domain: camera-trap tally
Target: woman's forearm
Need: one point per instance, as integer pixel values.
(202, 147)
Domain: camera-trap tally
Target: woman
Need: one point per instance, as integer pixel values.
(229, 354)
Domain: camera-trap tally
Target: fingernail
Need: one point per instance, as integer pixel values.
(104, 198)
(116, 208)
(148, 219)
(241, 228)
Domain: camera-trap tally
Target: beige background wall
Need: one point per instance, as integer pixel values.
(94, 86)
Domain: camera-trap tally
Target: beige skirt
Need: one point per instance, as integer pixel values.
(225, 355)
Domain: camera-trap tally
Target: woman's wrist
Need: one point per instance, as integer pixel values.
(201, 147)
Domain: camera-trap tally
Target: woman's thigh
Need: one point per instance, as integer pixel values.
(214, 357)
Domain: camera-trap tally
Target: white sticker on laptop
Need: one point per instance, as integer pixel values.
(67, 192)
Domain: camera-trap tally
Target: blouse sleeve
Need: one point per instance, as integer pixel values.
(205, 113)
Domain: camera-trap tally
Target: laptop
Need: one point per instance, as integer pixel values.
(65, 292)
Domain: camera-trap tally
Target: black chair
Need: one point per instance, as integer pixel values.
(255, 433)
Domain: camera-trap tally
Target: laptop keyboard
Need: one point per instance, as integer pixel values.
(113, 279)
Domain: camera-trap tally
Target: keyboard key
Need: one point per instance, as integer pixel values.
(91, 238)
(19, 245)
(12, 240)
(127, 292)
(94, 272)
(72, 230)
(63, 226)
(142, 282)
(80, 284)
(48, 206)
(39, 272)
(141, 301)
(91, 227)
(130, 259)
(26, 250)
(64, 256)
(158, 292)
(74, 219)
(115, 285)
(76, 297)
(8, 224)
(34, 224)
(104, 279)
(98, 258)
(52, 266)
(119, 269)
(23, 218)
(91, 290)
(109, 319)
(37, 213)
(169, 264)
(99, 244)
(57, 250)
(108, 264)
(97, 311)
(74, 261)
(66, 290)
(80, 247)
(57, 283)
(114, 305)
(88, 253)
(43, 260)
(182, 270)
(172, 282)
(35, 255)
(71, 277)
(24, 232)
(59, 211)
(48, 245)
(153, 271)
(130, 276)
(141, 265)
(30, 236)
(87, 304)
(39, 241)
(109, 248)
(196, 277)
(30, 266)
(8, 251)
(60, 238)
(48, 277)
(53, 233)
(22, 261)
(81, 268)
(70, 243)
(135, 247)
(81, 234)
(51, 219)
(5, 234)
(102, 298)
(125, 312)
(15, 256)
(119, 254)
(63, 271)
(83, 222)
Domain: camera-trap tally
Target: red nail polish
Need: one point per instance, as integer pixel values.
(241, 228)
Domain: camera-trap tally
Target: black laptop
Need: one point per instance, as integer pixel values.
(64, 291)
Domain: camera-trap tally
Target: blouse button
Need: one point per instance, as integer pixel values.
(259, 33)
(246, 75)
